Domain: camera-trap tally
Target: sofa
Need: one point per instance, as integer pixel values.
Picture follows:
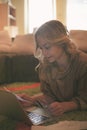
(79, 37)
(17, 61)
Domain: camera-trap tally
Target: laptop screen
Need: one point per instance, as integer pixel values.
(11, 107)
(37, 115)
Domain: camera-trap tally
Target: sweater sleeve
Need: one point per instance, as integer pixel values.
(81, 98)
(46, 90)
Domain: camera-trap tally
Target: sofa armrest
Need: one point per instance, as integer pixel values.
(79, 37)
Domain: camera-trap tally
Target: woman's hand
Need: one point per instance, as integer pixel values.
(58, 108)
(25, 100)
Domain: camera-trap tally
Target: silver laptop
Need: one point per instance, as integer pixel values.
(11, 107)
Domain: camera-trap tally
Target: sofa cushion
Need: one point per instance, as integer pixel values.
(5, 48)
(79, 37)
(5, 38)
(23, 44)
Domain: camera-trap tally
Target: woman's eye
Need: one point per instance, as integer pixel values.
(47, 47)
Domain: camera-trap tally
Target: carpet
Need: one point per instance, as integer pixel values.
(35, 85)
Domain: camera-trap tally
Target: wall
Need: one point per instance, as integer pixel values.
(60, 12)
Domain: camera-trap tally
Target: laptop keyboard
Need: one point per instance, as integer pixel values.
(37, 119)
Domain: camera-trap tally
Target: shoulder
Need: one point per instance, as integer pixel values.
(83, 57)
(81, 64)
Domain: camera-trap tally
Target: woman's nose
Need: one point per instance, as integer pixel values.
(44, 51)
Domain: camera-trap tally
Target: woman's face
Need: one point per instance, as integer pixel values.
(51, 52)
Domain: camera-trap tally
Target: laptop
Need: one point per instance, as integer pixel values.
(11, 108)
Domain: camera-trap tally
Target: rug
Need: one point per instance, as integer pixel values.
(25, 87)
(35, 85)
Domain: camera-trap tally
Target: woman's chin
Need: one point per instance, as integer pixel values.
(51, 60)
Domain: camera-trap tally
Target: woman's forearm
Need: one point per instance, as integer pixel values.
(42, 98)
(69, 106)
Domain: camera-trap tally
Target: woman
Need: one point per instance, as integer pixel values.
(62, 69)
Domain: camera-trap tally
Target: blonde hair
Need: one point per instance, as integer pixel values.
(53, 32)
